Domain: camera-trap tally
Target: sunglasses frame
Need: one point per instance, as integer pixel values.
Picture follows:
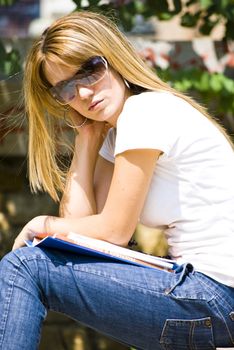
(53, 91)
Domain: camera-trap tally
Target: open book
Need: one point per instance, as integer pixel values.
(93, 247)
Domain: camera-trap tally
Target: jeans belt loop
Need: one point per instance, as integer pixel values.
(185, 269)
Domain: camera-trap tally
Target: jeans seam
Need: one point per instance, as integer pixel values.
(224, 321)
(134, 287)
(119, 282)
(214, 293)
(36, 257)
(7, 306)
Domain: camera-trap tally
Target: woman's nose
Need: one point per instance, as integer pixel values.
(85, 91)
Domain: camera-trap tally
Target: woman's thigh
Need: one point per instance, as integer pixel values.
(147, 308)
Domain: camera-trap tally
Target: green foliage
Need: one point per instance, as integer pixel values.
(7, 2)
(10, 61)
(208, 13)
(215, 90)
(190, 20)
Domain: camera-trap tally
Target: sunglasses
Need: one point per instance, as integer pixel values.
(90, 73)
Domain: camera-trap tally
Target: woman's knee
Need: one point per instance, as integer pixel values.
(18, 260)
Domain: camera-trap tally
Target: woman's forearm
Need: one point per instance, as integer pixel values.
(78, 199)
(96, 226)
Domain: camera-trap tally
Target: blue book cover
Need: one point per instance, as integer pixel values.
(89, 246)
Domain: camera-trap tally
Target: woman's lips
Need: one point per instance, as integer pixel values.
(94, 105)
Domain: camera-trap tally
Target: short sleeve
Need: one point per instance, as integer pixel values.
(150, 120)
(108, 147)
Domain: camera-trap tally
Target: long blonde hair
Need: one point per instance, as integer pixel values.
(70, 41)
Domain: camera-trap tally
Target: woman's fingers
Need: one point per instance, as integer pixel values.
(37, 225)
(24, 235)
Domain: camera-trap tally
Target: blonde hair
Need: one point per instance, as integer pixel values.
(70, 41)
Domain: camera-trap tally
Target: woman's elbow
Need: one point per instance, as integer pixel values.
(118, 233)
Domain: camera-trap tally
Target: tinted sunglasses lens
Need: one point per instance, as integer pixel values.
(90, 73)
(65, 93)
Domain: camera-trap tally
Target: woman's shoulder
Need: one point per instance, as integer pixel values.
(151, 94)
(159, 98)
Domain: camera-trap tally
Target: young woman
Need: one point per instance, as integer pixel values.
(163, 162)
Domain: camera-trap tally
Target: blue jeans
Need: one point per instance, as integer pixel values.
(142, 307)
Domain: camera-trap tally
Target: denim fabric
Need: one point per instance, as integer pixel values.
(142, 307)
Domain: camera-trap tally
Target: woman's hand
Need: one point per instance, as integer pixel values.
(91, 131)
(38, 225)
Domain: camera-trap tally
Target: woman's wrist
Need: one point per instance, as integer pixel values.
(86, 152)
(87, 144)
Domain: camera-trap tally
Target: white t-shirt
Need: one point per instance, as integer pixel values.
(192, 190)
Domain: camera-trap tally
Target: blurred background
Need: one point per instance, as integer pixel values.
(188, 43)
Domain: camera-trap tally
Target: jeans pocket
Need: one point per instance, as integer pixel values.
(194, 334)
